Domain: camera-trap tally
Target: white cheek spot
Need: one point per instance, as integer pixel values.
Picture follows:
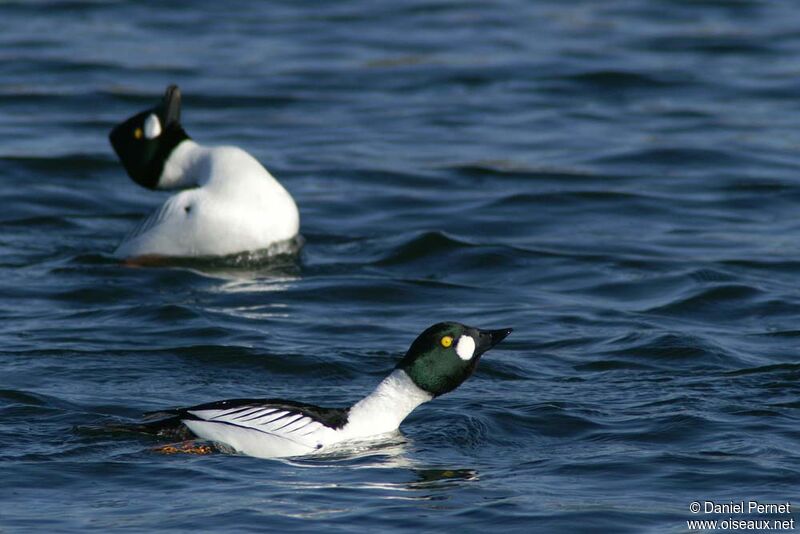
(152, 126)
(465, 347)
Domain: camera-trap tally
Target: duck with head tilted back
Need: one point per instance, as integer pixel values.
(438, 361)
(229, 204)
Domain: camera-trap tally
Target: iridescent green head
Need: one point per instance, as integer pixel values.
(446, 354)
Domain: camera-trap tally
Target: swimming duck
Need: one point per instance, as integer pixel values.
(230, 203)
(438, 361)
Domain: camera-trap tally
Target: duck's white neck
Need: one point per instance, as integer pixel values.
(385, 408)
(186, 165)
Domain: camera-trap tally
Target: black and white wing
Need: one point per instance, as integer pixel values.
(270, 415)
(264, 427)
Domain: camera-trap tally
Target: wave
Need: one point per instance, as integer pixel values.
(735, 299)
(677, 156)
(72, 164)
(621, 79)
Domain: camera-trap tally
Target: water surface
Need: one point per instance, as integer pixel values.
(618, 181)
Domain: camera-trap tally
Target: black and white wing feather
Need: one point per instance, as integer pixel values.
(273, 416)
(260, 427)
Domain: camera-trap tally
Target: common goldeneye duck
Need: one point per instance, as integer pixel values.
(230, 204)
(438, 361)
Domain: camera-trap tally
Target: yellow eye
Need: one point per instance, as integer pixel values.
(137, 133)
(446, 341)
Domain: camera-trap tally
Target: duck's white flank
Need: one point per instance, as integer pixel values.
(234, 205)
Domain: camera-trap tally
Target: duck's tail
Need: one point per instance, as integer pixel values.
(164, 424)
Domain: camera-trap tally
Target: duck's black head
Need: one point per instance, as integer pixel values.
(446, 354)
(145, 141)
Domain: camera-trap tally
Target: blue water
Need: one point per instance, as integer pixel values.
(619, 181)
